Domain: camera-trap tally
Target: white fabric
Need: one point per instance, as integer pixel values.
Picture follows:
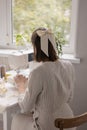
(46, 35)
(48, 95)
(7, 102)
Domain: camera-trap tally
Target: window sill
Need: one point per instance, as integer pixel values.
(7, 52)
(70, 57)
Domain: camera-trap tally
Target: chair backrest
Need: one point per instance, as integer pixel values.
(76, 121)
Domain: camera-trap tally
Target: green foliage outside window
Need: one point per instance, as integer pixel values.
(31, 14)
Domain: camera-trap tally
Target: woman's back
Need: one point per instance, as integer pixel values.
(50, 86)
(57, 80)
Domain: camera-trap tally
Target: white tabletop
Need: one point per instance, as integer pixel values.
(10, 97)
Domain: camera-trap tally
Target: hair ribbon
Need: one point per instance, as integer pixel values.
(46, 35)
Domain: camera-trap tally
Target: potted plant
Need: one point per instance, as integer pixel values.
(60, 41)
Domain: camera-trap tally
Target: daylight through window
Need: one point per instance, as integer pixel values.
(31, 14)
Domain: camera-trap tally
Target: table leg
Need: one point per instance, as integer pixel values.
(7, 116)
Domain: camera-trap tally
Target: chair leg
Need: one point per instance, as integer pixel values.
(61, 127)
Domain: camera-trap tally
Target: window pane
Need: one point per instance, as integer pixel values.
(31, 14)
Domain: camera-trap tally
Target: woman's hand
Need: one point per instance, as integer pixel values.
(21, 81)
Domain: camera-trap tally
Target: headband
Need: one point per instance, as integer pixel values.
(46, 35)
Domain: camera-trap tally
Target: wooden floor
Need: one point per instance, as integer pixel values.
(1, 125)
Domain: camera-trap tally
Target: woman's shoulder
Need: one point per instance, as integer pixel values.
(66, 63)
(38, 70)
(68, 66)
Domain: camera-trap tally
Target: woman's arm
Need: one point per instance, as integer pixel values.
(32, 91)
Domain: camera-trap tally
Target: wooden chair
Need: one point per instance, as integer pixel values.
(63, 123)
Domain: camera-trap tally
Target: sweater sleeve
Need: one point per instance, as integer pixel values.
(33, 90)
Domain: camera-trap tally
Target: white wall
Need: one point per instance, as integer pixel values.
(79, 104)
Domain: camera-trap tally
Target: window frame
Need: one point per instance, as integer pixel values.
(8, 29)
(70, 49)
(6, 24)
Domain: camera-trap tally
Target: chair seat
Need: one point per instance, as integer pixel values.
(71, 122)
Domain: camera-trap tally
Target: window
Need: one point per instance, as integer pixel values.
(20, 17)
(5, 23)
(31, 14)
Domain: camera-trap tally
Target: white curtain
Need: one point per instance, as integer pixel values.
(14, 62)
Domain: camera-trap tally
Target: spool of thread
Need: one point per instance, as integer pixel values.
(2, 71)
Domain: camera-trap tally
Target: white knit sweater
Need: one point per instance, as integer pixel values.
(49, 91)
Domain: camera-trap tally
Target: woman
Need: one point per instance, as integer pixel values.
(49, 88)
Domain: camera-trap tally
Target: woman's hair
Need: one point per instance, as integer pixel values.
(40, 55)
